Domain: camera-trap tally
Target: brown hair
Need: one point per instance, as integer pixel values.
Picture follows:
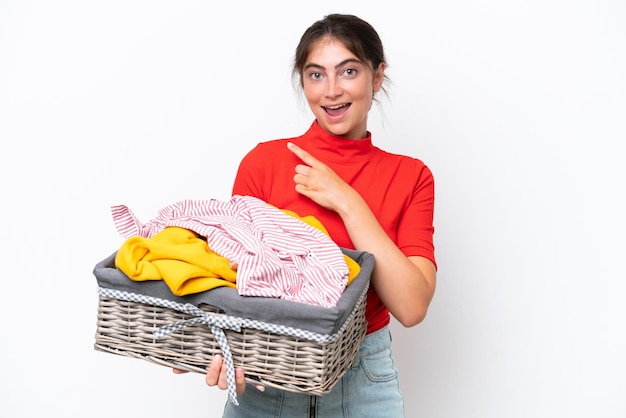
(358, 36)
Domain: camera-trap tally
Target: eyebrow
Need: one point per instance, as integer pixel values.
(341, 64)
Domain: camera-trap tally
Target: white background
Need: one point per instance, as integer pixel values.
(518, 107)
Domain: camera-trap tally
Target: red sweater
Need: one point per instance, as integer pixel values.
(398, 189)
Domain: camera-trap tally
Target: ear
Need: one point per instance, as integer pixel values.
(379, 76)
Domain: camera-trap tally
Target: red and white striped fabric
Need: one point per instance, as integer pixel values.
(277, 255)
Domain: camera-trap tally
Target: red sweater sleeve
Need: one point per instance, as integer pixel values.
(249, 175)
(415, 226)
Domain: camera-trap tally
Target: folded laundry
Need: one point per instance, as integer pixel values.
(277, 254)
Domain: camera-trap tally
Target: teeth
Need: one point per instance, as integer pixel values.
(335, 107)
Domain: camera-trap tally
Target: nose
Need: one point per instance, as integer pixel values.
(334, 88)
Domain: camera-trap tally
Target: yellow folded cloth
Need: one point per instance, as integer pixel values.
(177, 256)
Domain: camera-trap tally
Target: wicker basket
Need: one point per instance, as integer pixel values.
(175, 334)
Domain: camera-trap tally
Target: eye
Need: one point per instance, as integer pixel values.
(315, 75)
(351, 72)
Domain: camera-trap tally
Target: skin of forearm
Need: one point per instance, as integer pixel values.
(404, 284)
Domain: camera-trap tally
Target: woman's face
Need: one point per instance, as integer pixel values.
(339, 88)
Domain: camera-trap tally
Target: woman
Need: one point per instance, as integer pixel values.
(366, 198)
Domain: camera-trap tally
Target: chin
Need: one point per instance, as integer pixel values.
(335, 129)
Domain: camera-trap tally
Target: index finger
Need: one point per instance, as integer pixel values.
(302, 154)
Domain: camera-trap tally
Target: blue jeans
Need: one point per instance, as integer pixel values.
(369, 389)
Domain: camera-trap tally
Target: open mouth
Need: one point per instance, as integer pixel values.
(336, 110)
